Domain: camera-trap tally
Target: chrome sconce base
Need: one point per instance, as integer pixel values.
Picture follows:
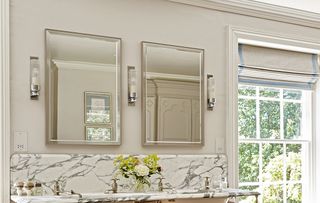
(132, 98)
(35, 92)
(211, 103)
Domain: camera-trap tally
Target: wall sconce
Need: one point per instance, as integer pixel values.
(34, 77)
(132, 85)
(211, 100)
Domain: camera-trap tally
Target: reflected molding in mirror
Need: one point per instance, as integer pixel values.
(83, 78)
(172, 95)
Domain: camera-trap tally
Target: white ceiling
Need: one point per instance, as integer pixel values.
(306, 5)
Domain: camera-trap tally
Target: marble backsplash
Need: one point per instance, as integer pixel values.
(92, 173)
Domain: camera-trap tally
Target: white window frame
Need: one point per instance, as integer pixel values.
(246, 35)
(305, 140)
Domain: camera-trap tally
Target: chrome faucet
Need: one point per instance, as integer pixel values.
(160, 185)
(114, 186)
(75, 193)
(206, 183)
(56, 188)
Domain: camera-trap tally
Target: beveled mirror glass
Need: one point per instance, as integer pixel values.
(82, 88)
(172, 85)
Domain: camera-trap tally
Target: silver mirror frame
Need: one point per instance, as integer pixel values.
(145, 142)
(51, 90)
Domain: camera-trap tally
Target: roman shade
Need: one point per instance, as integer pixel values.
(277, 67)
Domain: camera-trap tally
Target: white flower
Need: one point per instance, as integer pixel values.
(141, 170)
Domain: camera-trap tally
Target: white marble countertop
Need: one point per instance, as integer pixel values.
(121, 197)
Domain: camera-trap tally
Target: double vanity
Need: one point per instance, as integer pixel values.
(90, 177)
(187, 196)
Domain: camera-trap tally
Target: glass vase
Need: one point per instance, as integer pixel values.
(141, 186)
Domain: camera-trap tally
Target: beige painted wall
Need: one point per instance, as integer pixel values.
(133, 21)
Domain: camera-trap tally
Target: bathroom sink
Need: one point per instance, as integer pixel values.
(132, 196)
(120, 194)
(45, 199)
(194, 191)
(111, 196)
(187, 191)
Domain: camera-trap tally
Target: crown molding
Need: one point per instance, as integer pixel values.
(258, 10)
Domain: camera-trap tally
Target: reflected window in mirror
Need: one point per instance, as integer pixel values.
(83, 88)
(172, 94)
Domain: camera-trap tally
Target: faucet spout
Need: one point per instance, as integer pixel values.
(206, 183)
(161, 186)
(56, 188)
(114, 186)
(75, 193)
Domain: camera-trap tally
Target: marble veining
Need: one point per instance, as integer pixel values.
(92, 173)
(137, 197)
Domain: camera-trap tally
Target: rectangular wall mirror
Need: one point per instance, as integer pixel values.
(82, 88)
(172, 104)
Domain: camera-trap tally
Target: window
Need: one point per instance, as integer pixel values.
(274, 126)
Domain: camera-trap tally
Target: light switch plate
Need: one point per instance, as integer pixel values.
(220, 145)
(20, 141)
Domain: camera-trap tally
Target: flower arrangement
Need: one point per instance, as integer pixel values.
(139, 169)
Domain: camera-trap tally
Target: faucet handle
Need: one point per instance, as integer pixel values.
(161, 178)
(207, 183)
(114, 185)
(56, 188)
(160, 184)
(160, 181)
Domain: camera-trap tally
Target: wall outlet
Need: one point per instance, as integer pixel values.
(220, 145)
(20, 141)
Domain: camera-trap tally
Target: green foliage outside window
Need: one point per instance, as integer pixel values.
(273, 157)
(249, 157)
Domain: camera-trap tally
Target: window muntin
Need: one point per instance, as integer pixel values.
(273, 142)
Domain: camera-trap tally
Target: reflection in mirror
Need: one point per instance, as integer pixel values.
(83, 88)
(172, 94)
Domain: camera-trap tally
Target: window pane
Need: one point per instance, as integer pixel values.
(247, 118)
(273, 194)
(272, 167)
(294, 193)
(292, 94)
(102, 134)
(248, 162)
(272, 162)
(270, 119)
(293, 162)
(269, 92)
(250, 199)
(292, 120)
(247, 90)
